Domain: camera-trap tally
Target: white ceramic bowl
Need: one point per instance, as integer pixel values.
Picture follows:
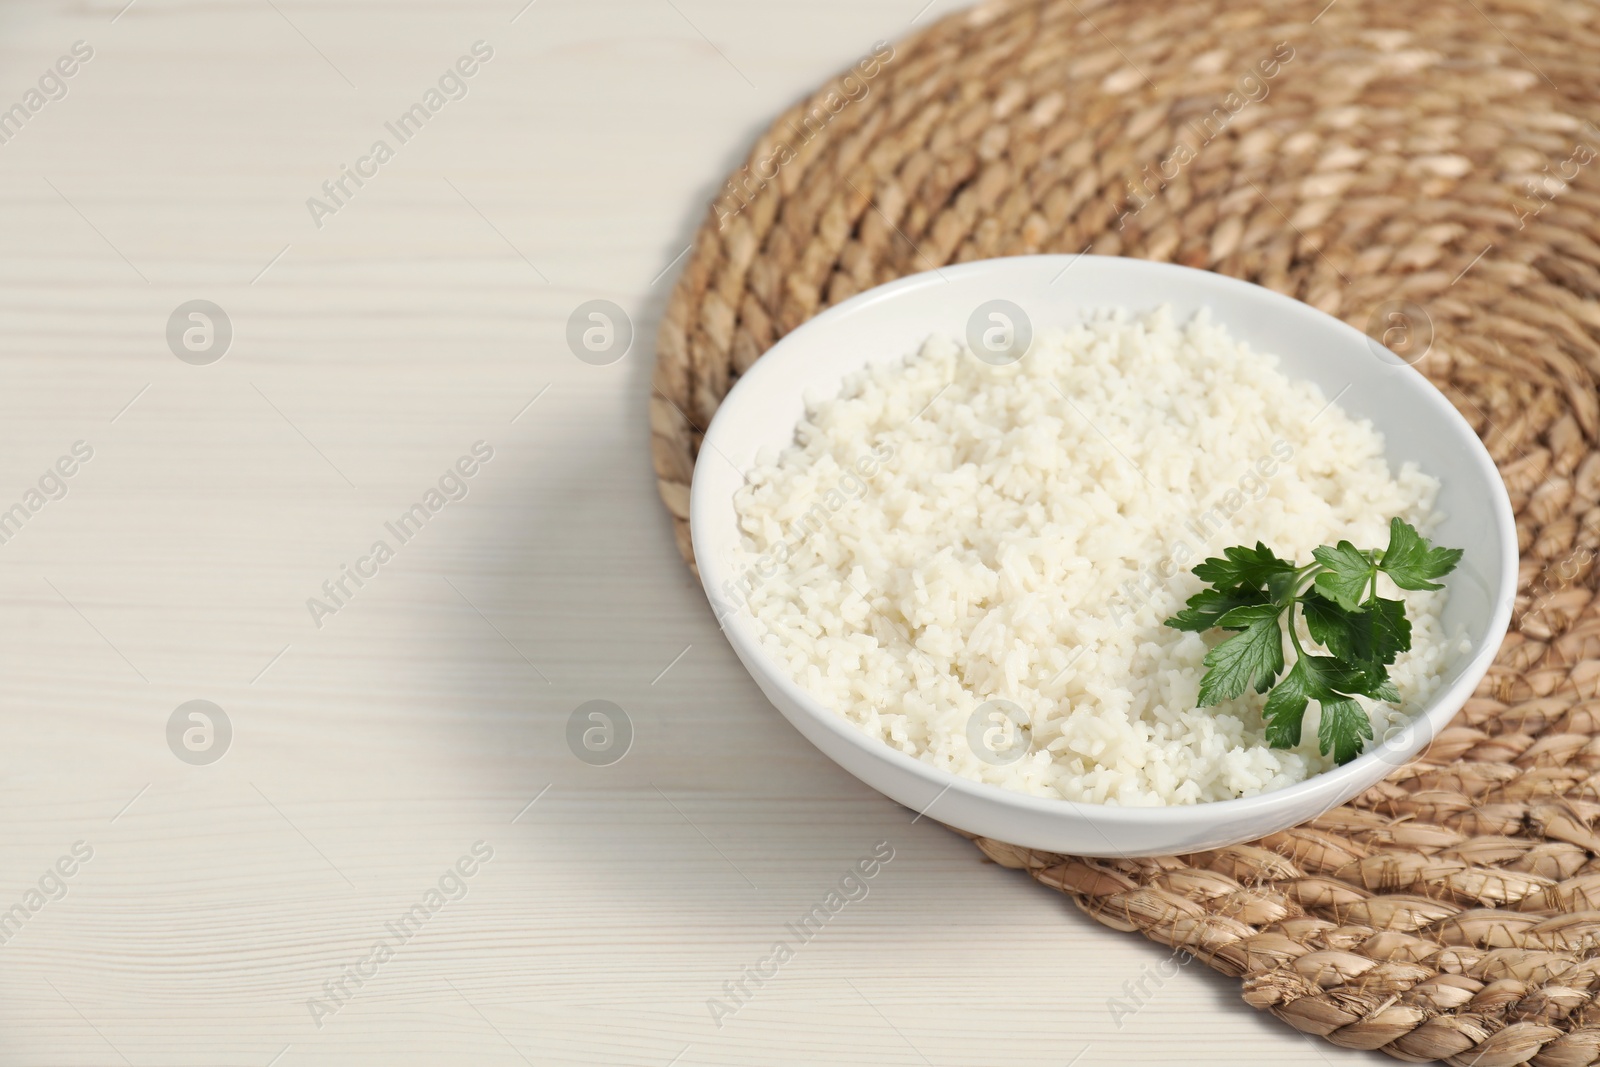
(892, 320)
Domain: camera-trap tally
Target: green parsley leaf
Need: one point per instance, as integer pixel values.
(1325, 680)
(1286, 707)
(1372, 636)
(1343, 729)
(1253, 657)
(1242, 618)
(1381, 633)
(1249, 568)
(1209, 605)
(1410, 561)
(1328, 677)
(1349, 572)
(1281, 587)
(1329, 625)
(1255, 593)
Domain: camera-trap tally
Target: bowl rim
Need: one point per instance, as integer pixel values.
(1440, 709)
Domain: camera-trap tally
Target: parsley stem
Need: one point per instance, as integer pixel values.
(1294, 638)
(1300, 573)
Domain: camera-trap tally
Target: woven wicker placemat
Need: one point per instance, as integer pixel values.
(1355, 155)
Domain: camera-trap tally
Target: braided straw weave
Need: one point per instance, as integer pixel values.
(1433, 153)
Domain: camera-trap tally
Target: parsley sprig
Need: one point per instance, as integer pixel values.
(1255, 593)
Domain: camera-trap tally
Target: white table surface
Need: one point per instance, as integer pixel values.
(370, 753)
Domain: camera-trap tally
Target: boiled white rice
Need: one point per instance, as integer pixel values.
(947, 532)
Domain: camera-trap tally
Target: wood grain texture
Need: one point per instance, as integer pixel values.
(369, 754)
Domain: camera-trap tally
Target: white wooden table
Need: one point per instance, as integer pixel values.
(375, 744)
